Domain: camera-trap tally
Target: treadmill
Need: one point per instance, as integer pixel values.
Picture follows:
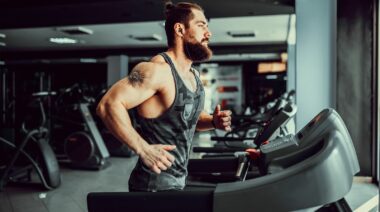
(313, 169)
(229, 161)
(274, 127)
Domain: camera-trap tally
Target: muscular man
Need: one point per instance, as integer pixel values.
(169, 98)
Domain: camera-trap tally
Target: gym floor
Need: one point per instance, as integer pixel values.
(76, 184)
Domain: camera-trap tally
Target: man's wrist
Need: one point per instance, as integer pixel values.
(213, 123)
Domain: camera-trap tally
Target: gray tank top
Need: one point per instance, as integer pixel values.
(176, 126)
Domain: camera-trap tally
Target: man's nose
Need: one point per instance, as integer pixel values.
(208, 34)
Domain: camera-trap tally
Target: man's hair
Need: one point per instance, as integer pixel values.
(178, 13)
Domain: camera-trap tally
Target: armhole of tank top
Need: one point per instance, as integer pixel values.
(195, 72)
(197, 76)
(168, 61)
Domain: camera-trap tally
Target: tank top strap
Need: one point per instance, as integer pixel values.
(171, 64)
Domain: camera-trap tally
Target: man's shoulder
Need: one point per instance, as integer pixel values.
(157, 63)
(158, 59)
(152, 66)
(154, 70)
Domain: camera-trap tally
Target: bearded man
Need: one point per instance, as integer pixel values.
(169, 98)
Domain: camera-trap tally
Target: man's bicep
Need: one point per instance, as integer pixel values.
(130, 95)
(141, 84)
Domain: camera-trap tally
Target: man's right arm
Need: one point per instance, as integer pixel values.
(141, 84)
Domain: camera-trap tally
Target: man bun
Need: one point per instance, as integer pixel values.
(168, 7)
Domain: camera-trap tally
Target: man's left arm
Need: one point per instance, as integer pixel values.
(220, 119)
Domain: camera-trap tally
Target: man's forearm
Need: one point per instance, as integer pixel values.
(117, 120)
(219, 120)
(205, 122)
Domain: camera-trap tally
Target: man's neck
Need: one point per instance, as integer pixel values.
(182, 63)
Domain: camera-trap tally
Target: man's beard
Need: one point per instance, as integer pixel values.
(196, 51)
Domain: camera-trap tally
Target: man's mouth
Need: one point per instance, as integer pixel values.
(205, 42)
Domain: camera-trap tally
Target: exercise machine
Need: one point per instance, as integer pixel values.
(274, 127)
(39, 158)
(77, 139)
(251, 131)
(314, 169)
(217, 166)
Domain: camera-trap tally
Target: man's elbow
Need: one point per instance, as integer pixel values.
(101, 109)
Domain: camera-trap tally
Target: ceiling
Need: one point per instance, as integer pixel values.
(114, 24)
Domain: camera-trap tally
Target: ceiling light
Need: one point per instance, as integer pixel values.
(2, 35)
(88, 60)
(63, 40)
(241, 34)
(246, 57)
(78, 30)
(153, 37)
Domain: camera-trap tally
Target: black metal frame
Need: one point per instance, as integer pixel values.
(375, 96)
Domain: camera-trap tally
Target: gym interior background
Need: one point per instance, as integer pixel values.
(65, 54)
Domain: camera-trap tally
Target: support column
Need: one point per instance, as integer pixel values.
(117, 68)
(316, 58)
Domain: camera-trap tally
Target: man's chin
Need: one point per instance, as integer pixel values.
(200, 59)
(209, 55)
(198, 52)
(204, 59)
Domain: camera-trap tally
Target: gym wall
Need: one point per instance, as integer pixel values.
(354, 67)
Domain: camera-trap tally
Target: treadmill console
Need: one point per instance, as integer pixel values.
(279, 143)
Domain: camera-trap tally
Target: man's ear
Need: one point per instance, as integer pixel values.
(179, 29)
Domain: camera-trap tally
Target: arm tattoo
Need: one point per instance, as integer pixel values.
(136, 78)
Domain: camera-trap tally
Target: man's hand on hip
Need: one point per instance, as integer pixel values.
(157, 157)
